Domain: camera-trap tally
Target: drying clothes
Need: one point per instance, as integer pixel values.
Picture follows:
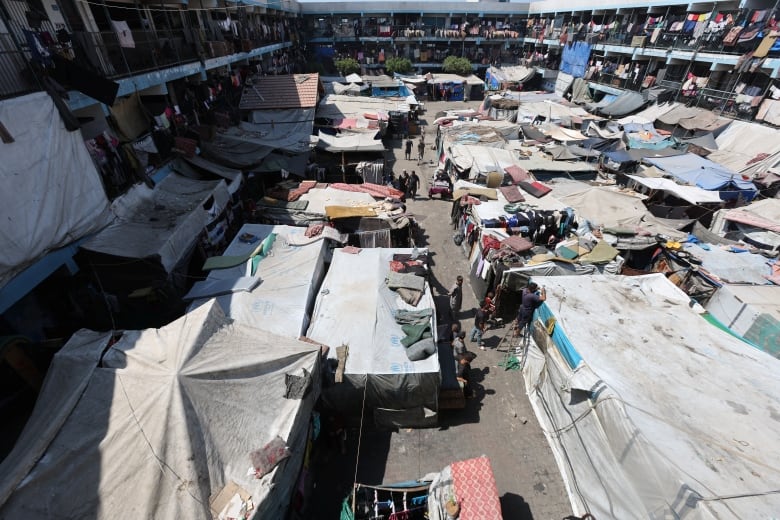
(517, 244)
(410, 296)
(404, 281)
(265, 459)
(123, 34)
(404, 317)
(415, 332)
(421, 350)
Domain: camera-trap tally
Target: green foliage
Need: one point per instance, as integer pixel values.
(347, 66)
(456, 65)
(399, 65)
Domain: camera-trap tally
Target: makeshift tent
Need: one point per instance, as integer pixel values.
(479, 161)
(234, 153)
(752, 311)
(730, 264)
(757, 223)
(692, 118)
(507, 77)
(356, 309)
(281, 296)
(695, 170)
(622, 404)
(350, 143)
(53, 193)
(742, 142)
(692, 194)
(624, 104)
(154, 230)
(154, 424)
(603, 207)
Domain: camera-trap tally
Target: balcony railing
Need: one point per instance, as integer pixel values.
(15, 76)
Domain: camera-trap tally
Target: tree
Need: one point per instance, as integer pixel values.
(456, 65)
(347, 66)
(399, 65)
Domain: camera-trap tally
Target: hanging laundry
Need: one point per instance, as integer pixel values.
(123, 34)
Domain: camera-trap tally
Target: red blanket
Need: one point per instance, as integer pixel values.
(475, 489)
(375, 190)
(518, 174)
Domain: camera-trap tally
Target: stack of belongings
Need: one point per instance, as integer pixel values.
(407, 277)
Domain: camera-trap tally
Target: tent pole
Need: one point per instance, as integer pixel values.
(343, 168)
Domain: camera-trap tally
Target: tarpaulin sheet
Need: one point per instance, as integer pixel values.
(630, 416)
(356, 309)
(702, 172)
(288, 279)
(378, 191)
(161, 224)
(358, 142)
(157, 423)
(692, 194)
(574, 59)
(53, 196)
(624, 104)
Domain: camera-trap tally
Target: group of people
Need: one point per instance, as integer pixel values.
(409, 184)
(531, 298)
(420, 148)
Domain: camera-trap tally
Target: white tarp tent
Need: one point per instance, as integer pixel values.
(356, 309)
(651, 412)
(288, 277)
(692, 194)
(481, 160)
(53, 193)
(161, 224)
(154, 424)
(345, 142)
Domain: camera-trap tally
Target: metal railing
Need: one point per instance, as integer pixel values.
(15, 76)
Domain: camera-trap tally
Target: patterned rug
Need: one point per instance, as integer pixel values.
(475, 488)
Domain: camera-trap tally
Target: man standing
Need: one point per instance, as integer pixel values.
(408, 149)
(420, 151)
(480, 324)
(414, 183)
(456, 298)
(459, 345)
(531, 298)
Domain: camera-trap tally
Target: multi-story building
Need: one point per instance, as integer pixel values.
(720, 55)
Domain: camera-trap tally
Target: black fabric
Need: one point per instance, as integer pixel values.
(296, 387)
(84, 80)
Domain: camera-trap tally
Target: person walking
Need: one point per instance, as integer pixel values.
(403, 183)
(414, 184)
(480, 324)
(408, 149)
(459, 345)
(420, 151)
(531, 298)
(456, 298)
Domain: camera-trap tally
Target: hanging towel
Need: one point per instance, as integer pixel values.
(123, 34)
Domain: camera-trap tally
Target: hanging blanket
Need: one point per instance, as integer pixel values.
(476, 490)
(375, 190)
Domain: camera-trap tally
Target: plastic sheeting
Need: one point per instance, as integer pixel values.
(574, 58)
(350, 143)
(53, 196)
(702, 172)
(356, 309)
(632, 416)
(731, 267)
(481, 160)
(161, 224)
(741, 142)
(692, 194)
(160, 422)
(289, 279)
(624, 104)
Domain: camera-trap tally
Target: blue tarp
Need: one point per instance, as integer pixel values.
(575, 58)
(695, 170)
(395, 91)
(565, 347)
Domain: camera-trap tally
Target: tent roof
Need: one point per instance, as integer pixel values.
(624, 104)
(692, 194)
(441, 77)
(481, 159)
(287, 91)
(699, 171)
(346, 142)
(633, 416)
(154, 424)
(288, 279)
(160, 224)
(355, 308)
